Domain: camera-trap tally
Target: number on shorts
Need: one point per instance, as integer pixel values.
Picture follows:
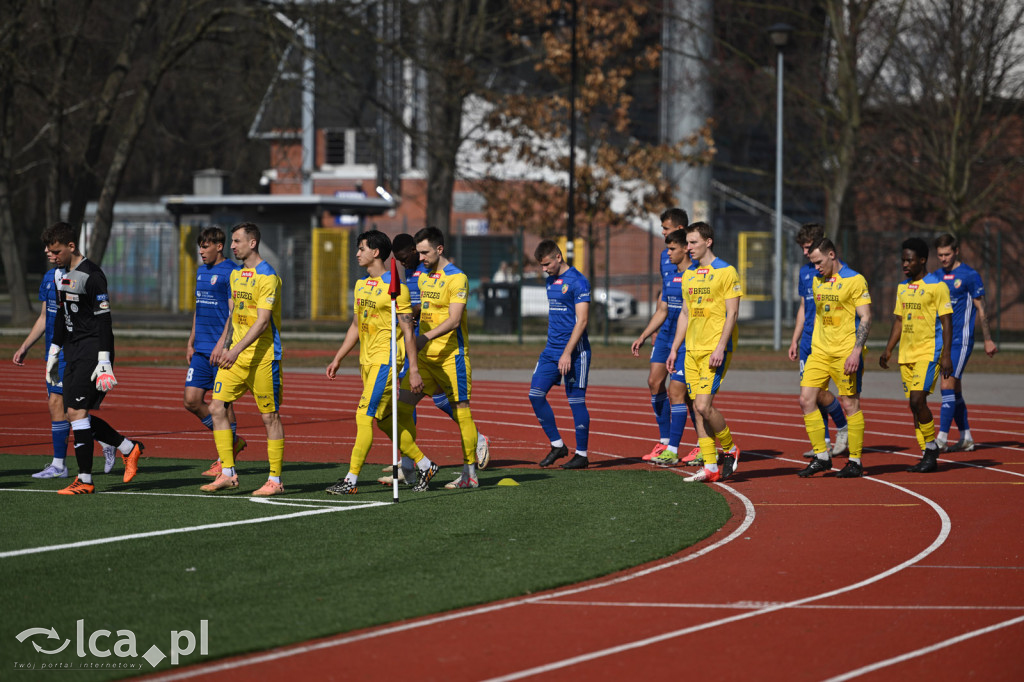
(188, 377)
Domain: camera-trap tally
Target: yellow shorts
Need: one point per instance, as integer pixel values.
(376, 398)
(818, 369)
(919, 376)
(702, 378)
(453, 377)
(262, 380)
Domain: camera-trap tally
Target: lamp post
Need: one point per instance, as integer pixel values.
(570, 231)
(779, 34)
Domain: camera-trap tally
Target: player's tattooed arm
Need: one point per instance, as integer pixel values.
(862, 332)
(406, 318)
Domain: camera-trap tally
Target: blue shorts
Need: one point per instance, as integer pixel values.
(201, 373)
(805, 352)
(663, 345)
(960, 353)
(546, 374)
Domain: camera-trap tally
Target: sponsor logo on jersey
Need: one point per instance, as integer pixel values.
(104, 305)
(71, 297)
(372, 282)
(557, 281)
(436, 275)
(677, 280)
(950, 276)
(912, 287)
(703, 271)
(247, 274)
(102, 297)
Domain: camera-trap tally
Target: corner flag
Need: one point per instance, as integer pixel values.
(393, 290)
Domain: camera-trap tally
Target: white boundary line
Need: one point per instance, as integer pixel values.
(319, 509)
(609, 651)
(200, 669)
(924, 650)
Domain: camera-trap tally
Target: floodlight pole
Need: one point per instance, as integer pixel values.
(571, 221)
(780, 37)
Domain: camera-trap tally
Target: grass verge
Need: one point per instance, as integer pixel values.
(284, 580)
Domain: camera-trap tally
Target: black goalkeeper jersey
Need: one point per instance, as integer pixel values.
(85, 304)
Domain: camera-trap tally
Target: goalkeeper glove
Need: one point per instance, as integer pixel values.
(53, 365)
(104, 373)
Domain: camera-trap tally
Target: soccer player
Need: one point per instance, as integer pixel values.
(248, 355)
(679, 399)
(966, 293)
(213, 303)
(371, 329)
(443, 341)
(60, 428)
(404, 249)
(837, 346)
(566, 354)
(807, 236)
(662, 323)
(921, 326)
(711, 301)
(87, 338)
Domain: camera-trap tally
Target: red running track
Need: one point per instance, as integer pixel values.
(894, 576)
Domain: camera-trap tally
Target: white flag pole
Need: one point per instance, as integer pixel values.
(394, 390)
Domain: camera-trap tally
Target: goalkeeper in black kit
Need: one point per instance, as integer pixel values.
(83, 330)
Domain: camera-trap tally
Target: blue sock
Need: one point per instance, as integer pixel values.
(946, 412)
(545, 415)
(960, 414)
(679, 413)
(441, 400)
(234, 427)
(59, 431)
(580, 417)
(663, 414)
(835, 410)
(824, 418)
(208, 421)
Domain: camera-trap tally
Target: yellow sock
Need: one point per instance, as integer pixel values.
(224, 439)
(927, 433)
(406, 432)
(725, 438)
(919, 436)
(469, 434)
(364, 440)
(855, 422)
(815, 426)
(275, 454)
(707, 450)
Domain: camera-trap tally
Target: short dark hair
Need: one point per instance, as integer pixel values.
(546, 248)
(947, 239)
(676, 216)
(702, 228)
(211, 234)
(917, 245)
(432, 235)
(403, 241)
(676, 237)
(59, 233)
(824, 245)
(810, 233)
(251, 231)
(375, 239)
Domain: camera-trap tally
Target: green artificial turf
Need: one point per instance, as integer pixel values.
(268, 584)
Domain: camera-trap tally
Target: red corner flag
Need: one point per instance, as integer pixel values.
(396, 283)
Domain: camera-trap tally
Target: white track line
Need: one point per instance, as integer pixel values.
(186, 529)
(924, 650)
(745, 605)
(459, 615)
(647, 641)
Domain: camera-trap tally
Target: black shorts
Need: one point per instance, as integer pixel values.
(80, 392)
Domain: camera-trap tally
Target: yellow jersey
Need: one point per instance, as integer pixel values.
(254, 289)
(835, 312)
(920, 304)
(373, 311)
(705, 291)
(438, 290)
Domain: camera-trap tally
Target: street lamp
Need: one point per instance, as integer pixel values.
(779, 33)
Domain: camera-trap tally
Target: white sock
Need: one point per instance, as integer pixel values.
(85, 478)
(966, 435)
(711, 467)
(673, 450)
(424, 463)
(59, 463)
(351, 478)
(228, 471)
(125, 448)
(582, 453)
(557, 443)
(941, 437)
(664, 441)
(471, 471)
(276, 479)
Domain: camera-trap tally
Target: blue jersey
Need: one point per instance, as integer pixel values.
(213, 303)
(805, 290)
(412, 280)
(672, 294)
(666, 267)
(48, 296)
(564, 292)
(965, 286)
